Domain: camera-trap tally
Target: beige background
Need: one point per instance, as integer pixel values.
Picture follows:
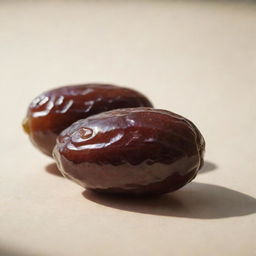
(196, 58)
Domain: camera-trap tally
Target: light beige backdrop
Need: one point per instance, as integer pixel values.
(196, 58)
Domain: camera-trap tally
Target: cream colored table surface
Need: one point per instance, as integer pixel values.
(194, 58)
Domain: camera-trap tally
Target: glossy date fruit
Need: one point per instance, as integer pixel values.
(131, 151)
(53, 111)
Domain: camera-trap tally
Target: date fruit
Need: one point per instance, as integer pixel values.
(53, 111)
(131, 151)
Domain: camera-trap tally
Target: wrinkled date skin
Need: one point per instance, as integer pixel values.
(53, 111)
(135, 151)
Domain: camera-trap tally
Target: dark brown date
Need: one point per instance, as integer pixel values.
(53, 111)
(131, 151)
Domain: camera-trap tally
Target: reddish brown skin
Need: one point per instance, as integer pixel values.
(136, 151)
(53, 111)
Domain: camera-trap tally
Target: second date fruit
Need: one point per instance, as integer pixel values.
(53, 111)
(134, 151)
